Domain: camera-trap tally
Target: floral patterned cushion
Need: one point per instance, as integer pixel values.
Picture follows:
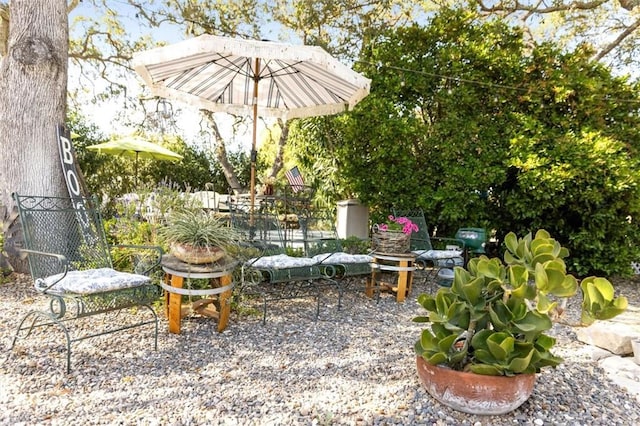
(445, 258)
(280, 261)
(91, 281)
(342, 257)
(437, 254)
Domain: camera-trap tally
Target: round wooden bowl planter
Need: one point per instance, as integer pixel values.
(475, 393)
(196, 255)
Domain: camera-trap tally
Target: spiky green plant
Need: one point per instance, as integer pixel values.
(198, 229)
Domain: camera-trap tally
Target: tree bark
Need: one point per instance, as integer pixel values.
(221, 154)
(33, 93)
(278, 162)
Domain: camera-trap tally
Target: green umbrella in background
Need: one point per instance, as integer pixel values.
(135, 147)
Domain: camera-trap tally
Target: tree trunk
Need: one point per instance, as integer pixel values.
(221, 154)
(33, 90)
(278, 162)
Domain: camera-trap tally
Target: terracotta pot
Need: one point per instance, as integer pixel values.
(475, 393)
(197, 255)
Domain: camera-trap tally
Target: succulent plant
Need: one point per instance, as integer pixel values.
(493, 318)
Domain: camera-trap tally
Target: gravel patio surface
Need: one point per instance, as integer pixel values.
(353, 366)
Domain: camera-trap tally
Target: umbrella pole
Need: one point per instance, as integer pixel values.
(254, 153)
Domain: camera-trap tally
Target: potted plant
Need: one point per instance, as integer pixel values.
(196, 236)
(486, 339)
(393, 236)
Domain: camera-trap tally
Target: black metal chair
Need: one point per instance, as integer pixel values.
(71, 263)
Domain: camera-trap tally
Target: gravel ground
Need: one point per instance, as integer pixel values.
(353, 366)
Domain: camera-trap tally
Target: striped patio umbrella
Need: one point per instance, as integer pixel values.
(257, 78)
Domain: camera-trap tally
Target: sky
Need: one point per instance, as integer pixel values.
(188, 120)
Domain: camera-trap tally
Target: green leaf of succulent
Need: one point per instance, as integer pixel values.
(525, 291)
(540, 246)
(479, 340)
(436, 358)
(517, 308)
(564, 252)
(522, 250)
(587, 318)
(617, 306)
(501, 316)
(495, 286)
(545, 342)
(440, 330)
(486, 369)
(518, 275)
(541, 279)
(548, 360)
(544, 305)
(591, 294)
(542, 233)
(568, 288)
(445, 344)
(556, 282)
(427, 302)
(442, 303)
(556, 265)
(603, 286)
(490, 268)
(511, 242)
(485, 356)
(457, 357)
(461, 277)
(428, 341)
(533, 322)
(542, 258)
(472, 266)
(558, 250)
(520, 365)
(472, 291)
(500, 345)
(509, 259)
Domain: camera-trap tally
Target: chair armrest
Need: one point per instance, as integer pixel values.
(63, 263)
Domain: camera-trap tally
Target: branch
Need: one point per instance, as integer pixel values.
(221, 153)
(626, 33)
(519, 7)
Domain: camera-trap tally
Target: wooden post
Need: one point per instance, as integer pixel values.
(175, 305)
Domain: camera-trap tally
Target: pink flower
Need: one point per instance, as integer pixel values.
(402, 223)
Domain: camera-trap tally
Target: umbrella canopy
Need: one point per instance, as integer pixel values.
(135, 147)
(249, 77)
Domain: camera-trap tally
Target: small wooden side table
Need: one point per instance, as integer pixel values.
(219, 275)
(402, 263)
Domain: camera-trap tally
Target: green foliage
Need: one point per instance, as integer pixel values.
(355, 245)
(598, 301)
(294, 251)
(482, 130)
(493, 318)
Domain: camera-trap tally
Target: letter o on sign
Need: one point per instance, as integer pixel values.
(72, 183)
